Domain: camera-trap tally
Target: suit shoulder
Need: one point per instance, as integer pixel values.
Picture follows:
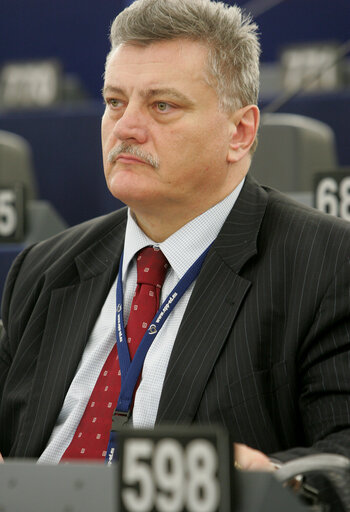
(294, 223)
(53, 263)
(45, 261)
(287, 210)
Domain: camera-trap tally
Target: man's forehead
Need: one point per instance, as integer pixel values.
(163, 66)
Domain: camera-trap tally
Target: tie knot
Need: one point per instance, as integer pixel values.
(152, 266)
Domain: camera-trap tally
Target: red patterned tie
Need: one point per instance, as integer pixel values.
(91, 437)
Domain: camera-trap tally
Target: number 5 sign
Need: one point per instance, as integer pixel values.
(332, 193)
(11, 214)
(175, 469)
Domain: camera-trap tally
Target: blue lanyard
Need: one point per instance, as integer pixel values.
(130, 370)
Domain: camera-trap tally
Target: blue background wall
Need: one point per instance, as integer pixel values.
(76, 31)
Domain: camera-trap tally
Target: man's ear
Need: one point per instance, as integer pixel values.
(245, 122)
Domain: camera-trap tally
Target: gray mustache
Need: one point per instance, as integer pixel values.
(131, 149)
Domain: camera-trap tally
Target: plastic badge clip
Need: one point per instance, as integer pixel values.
(120, 420)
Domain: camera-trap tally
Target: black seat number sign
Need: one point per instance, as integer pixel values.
(174, 470)
(11, 213)
(332, 193)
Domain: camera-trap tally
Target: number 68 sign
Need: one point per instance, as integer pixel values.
(175, 470)
(332, 193)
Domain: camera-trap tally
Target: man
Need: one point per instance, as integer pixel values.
(259, 341)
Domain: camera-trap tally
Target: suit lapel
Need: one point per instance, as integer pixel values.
(214, 304)
(71, 315)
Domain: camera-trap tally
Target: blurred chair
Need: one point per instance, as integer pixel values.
(42, 220)
(330, 473)
(291, 149)
(16, 163)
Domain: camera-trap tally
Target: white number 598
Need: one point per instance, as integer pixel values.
(168, 477)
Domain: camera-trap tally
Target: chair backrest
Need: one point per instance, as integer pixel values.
(16, 163)
(43, 221)
(291, 149)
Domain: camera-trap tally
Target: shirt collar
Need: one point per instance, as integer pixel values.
(195, 236)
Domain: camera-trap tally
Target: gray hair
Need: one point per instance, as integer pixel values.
(230, 35)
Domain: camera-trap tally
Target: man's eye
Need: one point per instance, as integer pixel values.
(162, 106)
(113, 103)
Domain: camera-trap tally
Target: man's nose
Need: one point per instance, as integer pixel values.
(132, 125)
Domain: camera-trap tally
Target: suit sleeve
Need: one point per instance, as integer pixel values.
(324, 376)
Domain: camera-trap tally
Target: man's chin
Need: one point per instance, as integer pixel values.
(135, 198)
(138, 191)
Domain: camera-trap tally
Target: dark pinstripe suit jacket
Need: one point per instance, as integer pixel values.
(263, 348)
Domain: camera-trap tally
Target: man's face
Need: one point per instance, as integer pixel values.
(159, 107)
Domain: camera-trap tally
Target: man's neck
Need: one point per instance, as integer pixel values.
(159, 228)
(161, 220)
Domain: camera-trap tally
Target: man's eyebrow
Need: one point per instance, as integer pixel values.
(112, 90)
(167, 91)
